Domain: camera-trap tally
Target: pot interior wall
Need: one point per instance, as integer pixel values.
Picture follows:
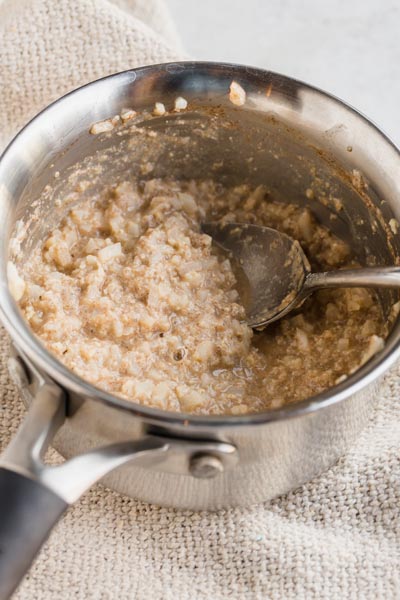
(231, 145)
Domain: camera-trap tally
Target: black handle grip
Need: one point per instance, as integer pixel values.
(28, 512)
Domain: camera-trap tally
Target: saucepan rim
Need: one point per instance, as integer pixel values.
(31, 347)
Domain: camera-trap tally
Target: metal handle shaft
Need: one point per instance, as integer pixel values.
(369, 277)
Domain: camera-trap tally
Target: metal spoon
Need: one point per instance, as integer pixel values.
(278, 274)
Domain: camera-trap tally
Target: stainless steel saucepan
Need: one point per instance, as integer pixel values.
(306, 147)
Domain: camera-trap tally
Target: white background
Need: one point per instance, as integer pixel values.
(349, 48)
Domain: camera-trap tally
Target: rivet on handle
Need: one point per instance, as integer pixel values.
(205, 466)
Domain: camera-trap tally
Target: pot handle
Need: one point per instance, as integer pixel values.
(28, 508)
(28, 512)
(33, 495)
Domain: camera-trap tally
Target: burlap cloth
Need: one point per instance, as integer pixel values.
(336, 537)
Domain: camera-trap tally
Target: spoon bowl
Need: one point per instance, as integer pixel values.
(274, 265)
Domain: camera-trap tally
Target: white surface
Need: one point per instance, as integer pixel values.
(351, 49)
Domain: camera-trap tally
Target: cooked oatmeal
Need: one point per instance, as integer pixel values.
(131, 296)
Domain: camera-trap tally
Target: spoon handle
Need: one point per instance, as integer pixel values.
(388, 277)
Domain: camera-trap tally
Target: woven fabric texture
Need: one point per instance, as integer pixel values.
(336, 537)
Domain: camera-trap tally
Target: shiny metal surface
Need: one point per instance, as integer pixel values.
(373, 277)
(27, 448)
(71, 479)
(276, 273)
(205, 466)
(274, 269)
(304, 146)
